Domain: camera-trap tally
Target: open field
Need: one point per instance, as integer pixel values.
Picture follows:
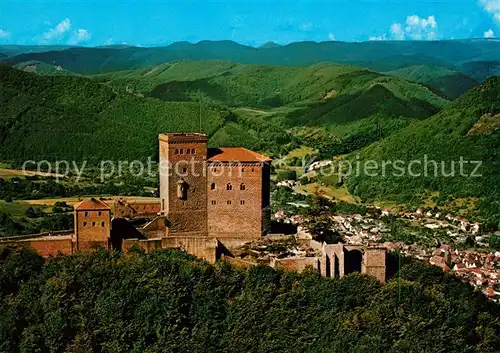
(110, 200)
(300, 152)
(17, 208)
(10, 173)
(340, 194)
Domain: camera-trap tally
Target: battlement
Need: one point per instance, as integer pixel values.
(192, 137)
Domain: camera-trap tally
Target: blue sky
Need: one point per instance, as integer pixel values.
(149, 23)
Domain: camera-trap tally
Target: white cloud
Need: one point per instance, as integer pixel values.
(331, 36)
(489, 34)
(382, 37)
(414, 27)
(58, 31)
(492, 7)
(397, 31)
(80, 36)
(4, 34)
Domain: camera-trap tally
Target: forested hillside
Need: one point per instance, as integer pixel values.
(346, 101)
(468, 129)
(171, 302)
(259, 85)
(45, 115)
(375, 55)
(443, 81)
(65, 117)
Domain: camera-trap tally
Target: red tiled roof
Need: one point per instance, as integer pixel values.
(92, 204)
(235, 154)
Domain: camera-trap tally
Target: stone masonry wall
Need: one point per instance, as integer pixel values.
(92, 227)
(183, 158)
(46, 246)
(374, 263)
(235, 213)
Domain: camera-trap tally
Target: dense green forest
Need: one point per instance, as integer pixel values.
(73, 118)
(475, 58)
(167, 301)
(441, 80)
(348, 102)
(261, 85)
(467, 129)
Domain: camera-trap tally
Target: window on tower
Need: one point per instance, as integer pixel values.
(229, 186)
(242, 186)
(212, 186)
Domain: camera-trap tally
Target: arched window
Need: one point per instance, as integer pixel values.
(242, 186)
(176, 151)
(229, 186)
(212, 186)
(193, 151)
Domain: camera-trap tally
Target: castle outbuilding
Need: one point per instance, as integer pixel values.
(92, 224)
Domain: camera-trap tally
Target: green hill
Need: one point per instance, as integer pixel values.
(443, 81)
(374, 55)
(344, 100)
(74, 118)
(467, 130)
(41, 68)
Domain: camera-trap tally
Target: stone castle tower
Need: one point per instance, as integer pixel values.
(216, 192)
(183, 183)
(92, 224)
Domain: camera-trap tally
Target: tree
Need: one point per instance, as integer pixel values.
(495, 241)
(286, 175)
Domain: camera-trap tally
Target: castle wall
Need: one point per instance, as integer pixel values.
(45, 245)
(235, 213)
(52, 247)
(374, 263)
(296, 264)
(201, 246)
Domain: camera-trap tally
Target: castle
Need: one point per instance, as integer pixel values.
(214, 192)
(212, 200)
(209, 198)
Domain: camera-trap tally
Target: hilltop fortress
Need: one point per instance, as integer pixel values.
(209, 198)
(212, 201)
